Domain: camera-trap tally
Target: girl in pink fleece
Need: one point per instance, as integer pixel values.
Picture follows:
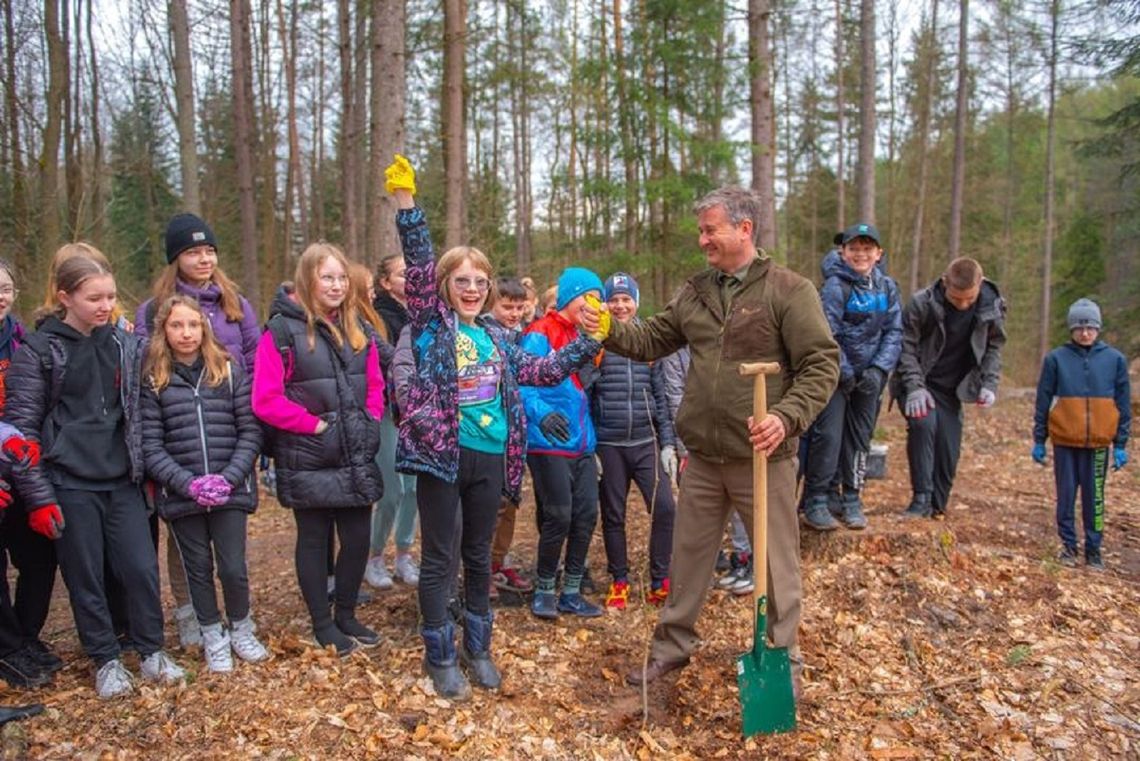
(317, 384)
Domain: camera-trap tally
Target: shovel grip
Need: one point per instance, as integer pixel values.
(759, 489)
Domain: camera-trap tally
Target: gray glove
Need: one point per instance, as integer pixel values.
(986, 398)
(669, 461)
(919, 403)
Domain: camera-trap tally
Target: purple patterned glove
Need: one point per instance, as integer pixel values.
(210, 490)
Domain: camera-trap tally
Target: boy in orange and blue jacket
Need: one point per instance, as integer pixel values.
(1083, 406)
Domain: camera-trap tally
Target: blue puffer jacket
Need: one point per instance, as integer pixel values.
(544, 337)
(1083, 397)
(865, 317)
(628, 402)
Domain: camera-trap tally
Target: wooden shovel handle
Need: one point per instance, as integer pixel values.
(759, 482)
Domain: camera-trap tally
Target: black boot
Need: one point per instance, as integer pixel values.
(13, 713)
(919, 506)
(476, 652)
(441, 663)
(346, 621)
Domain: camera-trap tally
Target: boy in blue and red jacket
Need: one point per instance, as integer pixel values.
(1083, 406)
(862, 307)
(560, 453)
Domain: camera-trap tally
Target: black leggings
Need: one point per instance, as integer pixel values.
(314, 528)
(475, 496)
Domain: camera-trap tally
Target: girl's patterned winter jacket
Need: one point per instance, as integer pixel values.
(429, 428)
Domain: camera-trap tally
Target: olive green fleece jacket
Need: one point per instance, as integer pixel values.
(775, 316)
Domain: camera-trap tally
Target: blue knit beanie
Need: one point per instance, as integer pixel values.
(620, 282)
(573, 282)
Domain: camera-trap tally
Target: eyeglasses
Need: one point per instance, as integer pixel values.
(9, 293)
(328, 281)
(481, 284)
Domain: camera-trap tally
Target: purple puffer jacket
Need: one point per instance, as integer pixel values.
(239, 338)
(429, 427)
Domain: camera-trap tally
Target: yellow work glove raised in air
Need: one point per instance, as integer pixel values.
(400, 176)
(604, 318)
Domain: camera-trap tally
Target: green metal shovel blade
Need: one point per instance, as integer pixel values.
(764, 676)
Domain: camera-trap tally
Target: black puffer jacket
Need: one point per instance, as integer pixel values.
(335, 468)
(628, 403)
(35, 382)
(191, 429)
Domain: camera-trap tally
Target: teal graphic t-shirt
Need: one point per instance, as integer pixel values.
(482, 419)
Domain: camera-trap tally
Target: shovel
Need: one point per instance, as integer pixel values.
(764, 674)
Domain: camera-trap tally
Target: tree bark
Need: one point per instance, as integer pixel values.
(96, 226)
(1050, 148)
(386, 123)
(763, 118)
(925, 105)
(626, 116)
(958, 182)
(53, 126)
(294, 178)
(241, 60)
(866, 178)
(20, 220)
(346, 141)
(454, 121)
(840, 122)
(184, 98)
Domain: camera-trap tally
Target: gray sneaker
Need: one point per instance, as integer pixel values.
(406, 569)
(158, 667)
(189, 632)
(245, 643)
(113, 680)
(216, 644)
(816, 515)
(853, 517)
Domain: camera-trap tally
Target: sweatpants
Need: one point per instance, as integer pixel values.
(315, 527)
(568, 490)
(397, 508)
(112, 527)
(933, 444)
(710, 492)
(840, 441)
(640, 464)
(470, 504)
(33, 556)
(201, 538)
(1087, 470)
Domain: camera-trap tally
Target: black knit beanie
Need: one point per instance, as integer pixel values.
(187, 231)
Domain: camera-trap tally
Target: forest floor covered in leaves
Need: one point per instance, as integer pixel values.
(960, 638)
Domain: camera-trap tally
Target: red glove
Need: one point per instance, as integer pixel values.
(24, 451)
(47, 520)
(5, 495)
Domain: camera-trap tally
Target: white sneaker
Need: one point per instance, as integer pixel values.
(113, 680)
(743, 586)
(216, 644)
(158, 667)
(406, 569)
(189, 633)
(246, 646)
(376, 573)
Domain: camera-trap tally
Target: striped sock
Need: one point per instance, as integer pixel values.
(572, 585)
(545, 585)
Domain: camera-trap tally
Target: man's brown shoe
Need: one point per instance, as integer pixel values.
(654, 671)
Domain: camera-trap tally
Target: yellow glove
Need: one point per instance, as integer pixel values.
(604, 317)
(400, 176)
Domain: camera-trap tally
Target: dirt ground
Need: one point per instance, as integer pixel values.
(960, 638)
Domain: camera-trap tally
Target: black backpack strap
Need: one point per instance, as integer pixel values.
(283, 340)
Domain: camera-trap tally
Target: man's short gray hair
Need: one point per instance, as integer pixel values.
(739, 204)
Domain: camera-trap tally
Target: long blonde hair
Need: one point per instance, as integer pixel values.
(62, 254)
(358, 276)
(160, 360)
(306, 278)
(166, 286)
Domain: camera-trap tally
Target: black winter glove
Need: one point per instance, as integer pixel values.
(871, 381)
(555, 427)
(846, 383)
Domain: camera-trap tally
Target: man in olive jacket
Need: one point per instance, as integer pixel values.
(743, 308)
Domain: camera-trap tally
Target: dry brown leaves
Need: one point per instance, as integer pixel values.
(957, 639)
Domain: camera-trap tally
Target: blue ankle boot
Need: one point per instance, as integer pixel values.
(476, 652)
(441, 663)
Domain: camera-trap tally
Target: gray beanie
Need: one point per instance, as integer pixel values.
(1084, 313)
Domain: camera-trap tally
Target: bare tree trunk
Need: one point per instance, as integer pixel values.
(241, 57)
(454, 121)
(895, 166)
(53, 127)
(958, 182)
(866, 178)
(20, 220)
(360, 109)
(317, 159)
(184, 97)
(346, 141)
(840, 122)
(96, 231)
(265, 148)
(520, 123)
(626, 115)
(763, 118)
(294, 180)
(925, 105)
(389, 20)
(1050, 149)
(72, 121)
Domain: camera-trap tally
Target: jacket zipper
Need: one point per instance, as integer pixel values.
(202, 427)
